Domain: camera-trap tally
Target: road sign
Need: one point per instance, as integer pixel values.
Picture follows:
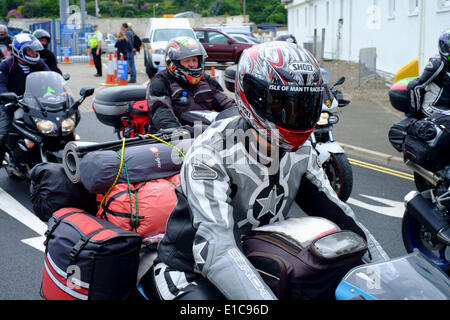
(67, 31)
(66, 51)
(122, 69)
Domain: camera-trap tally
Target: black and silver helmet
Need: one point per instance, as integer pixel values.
(41, 33)
(444, 47)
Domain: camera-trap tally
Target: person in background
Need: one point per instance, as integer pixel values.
(5, 41)
(430, 93)
(46, 54)
(122, 45)
(132, 53)
(95, 45)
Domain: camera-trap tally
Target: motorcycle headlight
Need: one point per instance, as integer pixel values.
(324, 116)
(333, 120)
(46, 127)
(67, 125)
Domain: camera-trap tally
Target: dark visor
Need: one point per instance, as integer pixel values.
(290, 106)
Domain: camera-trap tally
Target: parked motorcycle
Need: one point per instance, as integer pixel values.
(334, 161)
(44, 121)
(400, 100)
(425, 224)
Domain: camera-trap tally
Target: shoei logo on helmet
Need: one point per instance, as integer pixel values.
(301, 67)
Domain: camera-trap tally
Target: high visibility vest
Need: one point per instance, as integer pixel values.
(93, 42)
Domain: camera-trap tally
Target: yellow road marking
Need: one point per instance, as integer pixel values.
(400, 174)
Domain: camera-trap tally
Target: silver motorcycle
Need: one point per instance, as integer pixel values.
(334, 161)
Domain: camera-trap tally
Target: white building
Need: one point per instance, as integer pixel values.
(400, 30)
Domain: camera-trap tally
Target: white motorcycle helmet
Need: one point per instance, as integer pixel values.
(21, 43)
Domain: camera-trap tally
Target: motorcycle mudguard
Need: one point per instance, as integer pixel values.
(325, 149)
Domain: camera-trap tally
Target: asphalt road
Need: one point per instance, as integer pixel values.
(377, 200)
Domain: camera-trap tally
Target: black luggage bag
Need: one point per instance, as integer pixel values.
(51, 190)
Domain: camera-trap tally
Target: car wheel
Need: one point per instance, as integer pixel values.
(149, 70)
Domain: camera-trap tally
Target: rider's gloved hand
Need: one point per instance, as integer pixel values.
(183, 131)
(8, 108)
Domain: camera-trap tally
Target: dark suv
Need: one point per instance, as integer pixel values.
(219, 46)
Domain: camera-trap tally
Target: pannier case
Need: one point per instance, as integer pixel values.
(87, 258)
(112, 103)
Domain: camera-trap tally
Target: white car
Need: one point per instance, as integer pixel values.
(159, 32)
(244, 38)
(109, 43)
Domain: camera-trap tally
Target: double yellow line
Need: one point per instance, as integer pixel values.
(374, 167)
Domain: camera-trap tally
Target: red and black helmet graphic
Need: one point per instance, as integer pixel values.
(279, 91)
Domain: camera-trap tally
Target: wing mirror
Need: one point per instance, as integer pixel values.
(340, 81)
(9, 97)
(86, 92)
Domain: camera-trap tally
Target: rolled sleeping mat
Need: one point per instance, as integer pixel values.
(72, 158)
(144, 162)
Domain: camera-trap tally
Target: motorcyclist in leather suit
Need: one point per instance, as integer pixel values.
(247, 170)
(5, 40)
(46, 54)
(183, 86)
(14, 70)
(430, 93)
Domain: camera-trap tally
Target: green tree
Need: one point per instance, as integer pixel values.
(49, 10)
(32, 9)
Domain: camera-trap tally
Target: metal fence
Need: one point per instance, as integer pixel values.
(67, 39)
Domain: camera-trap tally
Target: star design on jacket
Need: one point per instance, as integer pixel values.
(269, 204)
(199, 252)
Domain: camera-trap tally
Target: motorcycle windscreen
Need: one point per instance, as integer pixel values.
(411, 277)
(46, 89)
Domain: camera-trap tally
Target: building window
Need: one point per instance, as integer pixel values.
(315, 16)
(328, 12)
(443, 5)
(306, 16)
(391, 8)
(413, 7)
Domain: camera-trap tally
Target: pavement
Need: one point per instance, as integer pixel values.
(362, 130)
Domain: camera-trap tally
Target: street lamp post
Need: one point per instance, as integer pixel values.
(155, 5)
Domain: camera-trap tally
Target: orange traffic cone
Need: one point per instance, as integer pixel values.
(115, 66)
(91, 61)
(122, 82)
(213, 72)
(66, 59)
(110, 81)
